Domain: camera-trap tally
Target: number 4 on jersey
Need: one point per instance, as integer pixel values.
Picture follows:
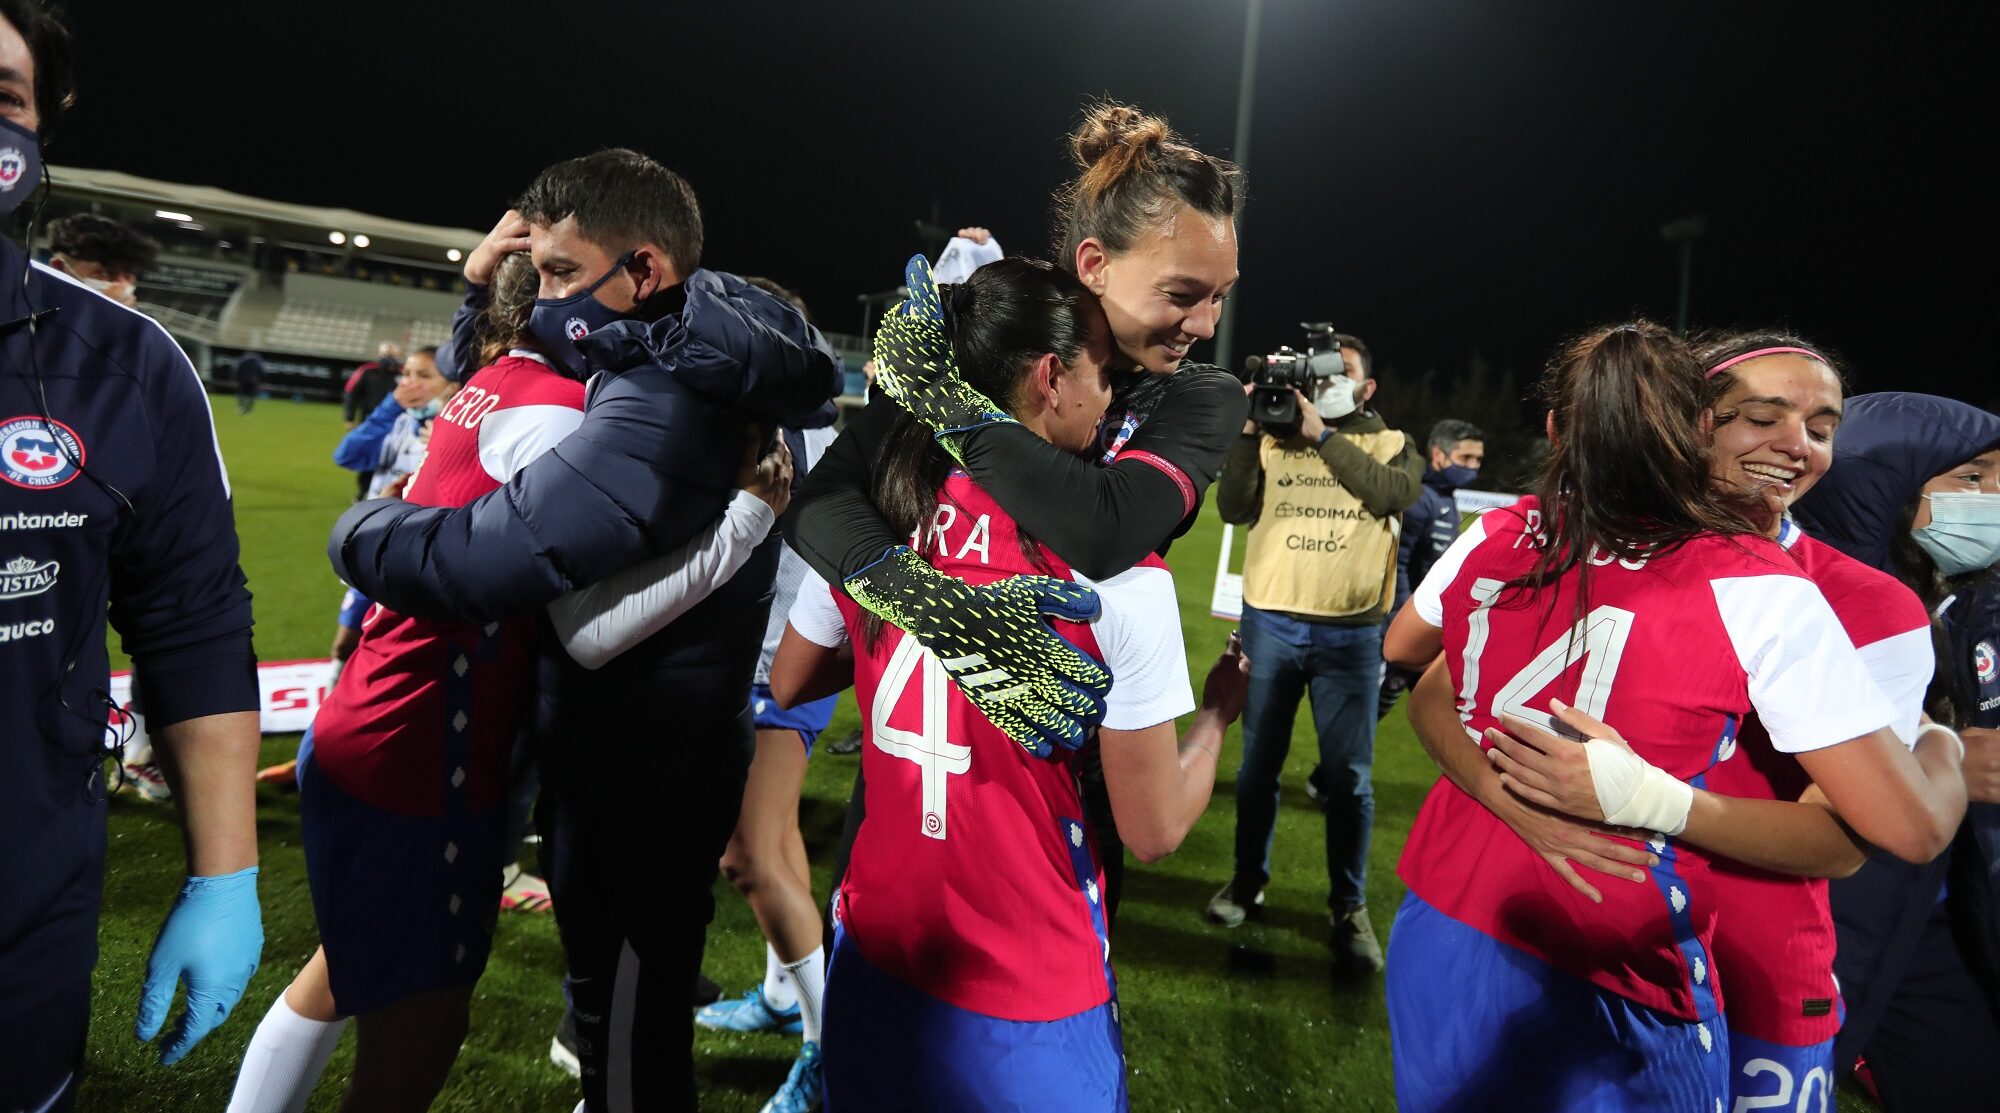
(1598, 640)
(935, 755)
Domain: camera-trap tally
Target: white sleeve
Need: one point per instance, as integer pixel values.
(1807, 682)
(815, 615)
(599, 622)
(1428, 598)
(1901, 666)
(1139, 633)
(510, 440)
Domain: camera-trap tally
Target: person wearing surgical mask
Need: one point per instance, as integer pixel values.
(102, 254)
(1323, 504)
(1915, 490)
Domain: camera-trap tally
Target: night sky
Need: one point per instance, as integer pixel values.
(1443, 177)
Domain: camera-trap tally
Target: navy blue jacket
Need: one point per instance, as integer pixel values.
(1889, 446)
(145, 529)
(653, 464)
(1430, 525)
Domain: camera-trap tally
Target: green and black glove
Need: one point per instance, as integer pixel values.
(995, 642)
(914, 364)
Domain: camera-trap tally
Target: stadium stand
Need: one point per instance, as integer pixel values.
(316, 290)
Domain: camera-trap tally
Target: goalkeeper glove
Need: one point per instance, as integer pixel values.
(914, 364)
(995, 642)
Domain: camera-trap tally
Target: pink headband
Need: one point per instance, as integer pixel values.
(1759, 354)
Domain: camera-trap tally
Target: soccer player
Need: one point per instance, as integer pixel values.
(971, 964)
(403, 773)
(1777, 407)
(1149, 227)
(1625, 556)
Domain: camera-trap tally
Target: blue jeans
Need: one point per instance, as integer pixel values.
(1342, 668)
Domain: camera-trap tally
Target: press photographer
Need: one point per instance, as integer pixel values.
(1321, 481)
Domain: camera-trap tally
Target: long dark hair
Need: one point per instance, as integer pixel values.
(1628, 474)
(1132, 172)
(511, 299)
(1005, 317)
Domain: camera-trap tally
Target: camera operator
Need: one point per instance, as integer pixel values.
(1323, 500)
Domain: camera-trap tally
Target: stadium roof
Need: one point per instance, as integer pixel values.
(199, 199)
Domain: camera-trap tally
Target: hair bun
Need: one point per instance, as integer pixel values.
(1109, 126)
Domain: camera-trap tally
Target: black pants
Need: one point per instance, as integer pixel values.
(1937, 1046)
(631, 880)
(41, 1050)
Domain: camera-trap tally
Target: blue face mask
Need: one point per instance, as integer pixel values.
(1456, 476)
(20, 166)
(1964, 531)
(426, 411)
(560, 322)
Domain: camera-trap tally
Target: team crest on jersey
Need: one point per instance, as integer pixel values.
(575, 328)
(1983, 662)
(22, 577)
(39, 455)
(12, 164)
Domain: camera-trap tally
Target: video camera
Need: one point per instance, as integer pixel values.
(1275, 376)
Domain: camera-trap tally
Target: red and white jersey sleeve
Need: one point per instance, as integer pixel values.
(815, 615)
(1140, 634)
(1774, 933)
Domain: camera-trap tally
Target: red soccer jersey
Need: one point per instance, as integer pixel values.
(1673, 651)
(974, 877)
(1774, 932)
(422, 705)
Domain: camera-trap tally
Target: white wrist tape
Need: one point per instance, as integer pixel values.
(1633, 792)
(1940, 728)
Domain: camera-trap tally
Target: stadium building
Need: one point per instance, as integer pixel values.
(314, 290)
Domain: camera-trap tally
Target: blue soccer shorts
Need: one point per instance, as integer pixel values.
(1475, 1024)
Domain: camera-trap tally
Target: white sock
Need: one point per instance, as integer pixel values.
(284, 1061)
(809, 983)
(778, 990)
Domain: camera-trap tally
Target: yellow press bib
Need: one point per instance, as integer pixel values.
(1315, 550)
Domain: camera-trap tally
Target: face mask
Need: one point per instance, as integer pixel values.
(20, 166)
(426, 411)
(1455, 476)
(1336, 399)
(560, 322)
(1964, 534)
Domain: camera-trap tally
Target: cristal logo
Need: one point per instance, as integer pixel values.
(1983, 662)
(22, 577)
(575, 328)
(12, 164)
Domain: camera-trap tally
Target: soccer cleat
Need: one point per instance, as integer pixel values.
(1226, 910)
(1355, 950)
(145, 782)
(285, 774)
(846, 745)
(562, 1049)
(801, 1091)
(1312, 787)
(750, 1013)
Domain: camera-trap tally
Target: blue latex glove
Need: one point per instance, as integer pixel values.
(212, 940)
